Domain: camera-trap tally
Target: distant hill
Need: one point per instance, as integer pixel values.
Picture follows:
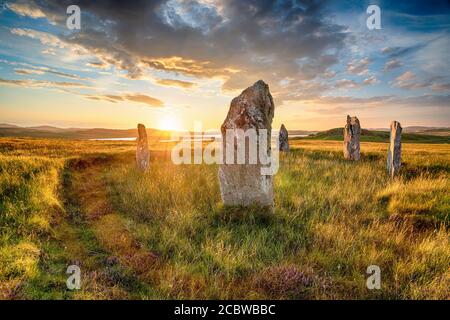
(435, 131)
(48, 129)
(422, 129)
(379, 136)
(74, 133)
(6, 125)
(301, 132)
(443, 132)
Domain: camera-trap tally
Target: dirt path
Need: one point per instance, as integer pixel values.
(112, 262)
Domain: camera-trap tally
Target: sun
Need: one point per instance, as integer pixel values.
(170, 123)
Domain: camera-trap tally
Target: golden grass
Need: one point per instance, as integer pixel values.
(332, 219)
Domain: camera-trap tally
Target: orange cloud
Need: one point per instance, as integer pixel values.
(135, 97)
(175, 83)
(152, 102)
(26, 9)
(43, 84)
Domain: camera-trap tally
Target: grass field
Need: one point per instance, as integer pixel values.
(166, 235)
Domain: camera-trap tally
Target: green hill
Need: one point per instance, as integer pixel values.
(75, 133)
(378, 136)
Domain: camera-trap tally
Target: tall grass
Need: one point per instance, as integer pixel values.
(165, 234)
(28, 202)
(332, 220)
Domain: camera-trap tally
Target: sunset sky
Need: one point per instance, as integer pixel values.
(168, 63)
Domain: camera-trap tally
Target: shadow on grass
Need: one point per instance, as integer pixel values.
(410, 172)
(72, 170)
(335, 155)
(237, 215)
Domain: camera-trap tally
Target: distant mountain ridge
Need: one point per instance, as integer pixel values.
(6, 125)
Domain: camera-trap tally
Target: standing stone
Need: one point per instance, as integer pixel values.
(352, 131)
(142, 153)
(394, 158)
(283, 139)
(243, 184)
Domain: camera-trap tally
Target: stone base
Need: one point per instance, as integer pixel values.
(243, 185)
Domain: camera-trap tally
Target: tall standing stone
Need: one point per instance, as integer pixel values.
(244, 184)
(142, 153)
(394, 158)
(352, 132)
(283, 139)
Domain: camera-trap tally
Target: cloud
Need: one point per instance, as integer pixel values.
(370, 80)
(345, 100)
(342, 104)
(175, 83)
(51, 41)
(28, 71)
(440, 87)
(352, 84)
(134, 97)
(392, 64)
(64, 74)
(189, 67)
(26, 9)
(408, 81)
(114, 97)
(358, 67)
(406, 76)
(397, 52)
(44, 37)
(426, 100)
(50, 51)
(347, 84)
(405, 81)
(98, 64)
(238, 42)
(141, 98)
(43, 84)
(292, 45)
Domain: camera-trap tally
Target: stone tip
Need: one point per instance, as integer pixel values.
(260, 83)
(140, 125)
(396, 125)
(349, 119)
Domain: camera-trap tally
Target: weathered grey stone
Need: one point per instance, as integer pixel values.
(352, 131)
(142, 153)
(283, 139)
(394, 158)
(243, 184)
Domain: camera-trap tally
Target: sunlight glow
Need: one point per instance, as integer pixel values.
(170, 122)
